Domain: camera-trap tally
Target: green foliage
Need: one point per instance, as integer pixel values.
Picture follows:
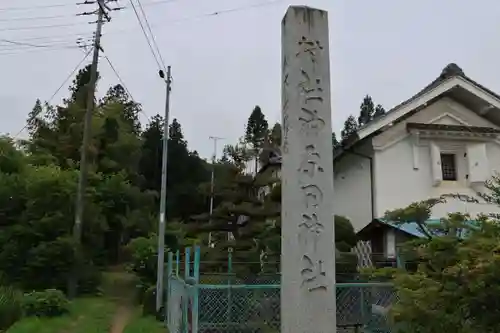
(38, 188)
(366, 111)
(10, 306)
(350, 128)
(379, 111)
(47, 303)
(143, 258)
(454, 284)
(256, 129)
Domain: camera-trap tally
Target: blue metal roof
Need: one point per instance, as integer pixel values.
(412, 228)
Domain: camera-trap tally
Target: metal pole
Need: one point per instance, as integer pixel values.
(212, 185)
(82, 181)
(163, 196)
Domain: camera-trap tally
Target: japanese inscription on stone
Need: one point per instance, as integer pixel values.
(311, 229)
(285, 101)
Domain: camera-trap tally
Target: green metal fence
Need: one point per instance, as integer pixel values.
(216, 303)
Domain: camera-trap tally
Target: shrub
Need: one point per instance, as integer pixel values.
(10, 307)
(143, 253)
(149, 301)
(48, 303)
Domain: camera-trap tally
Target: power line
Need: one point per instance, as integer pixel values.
(151, 33)
(29, 51)
(36, 7)
(60, 87)
(160, 66)
(123, 83)
(152, 3)
(127, 30)
(34, 18)
(50, 26)
(29, 44)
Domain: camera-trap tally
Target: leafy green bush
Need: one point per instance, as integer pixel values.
(48, 303)
(10, 306)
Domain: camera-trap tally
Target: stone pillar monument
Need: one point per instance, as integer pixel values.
(307, 229)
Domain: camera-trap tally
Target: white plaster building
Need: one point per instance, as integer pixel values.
(445, 139)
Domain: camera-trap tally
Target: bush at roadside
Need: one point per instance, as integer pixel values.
(47, 303)
(10, 306)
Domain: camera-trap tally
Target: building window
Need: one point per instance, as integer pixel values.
(449, 166)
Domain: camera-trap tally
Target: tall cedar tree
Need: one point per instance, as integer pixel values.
(185, 170)
(366, 111)
(256, 132)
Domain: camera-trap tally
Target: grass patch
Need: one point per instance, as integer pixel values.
(86, 315)
(140, 324)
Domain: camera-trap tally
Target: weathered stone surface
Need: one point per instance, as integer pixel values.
(308, 260)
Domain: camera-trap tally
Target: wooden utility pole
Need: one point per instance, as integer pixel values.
(82, 181)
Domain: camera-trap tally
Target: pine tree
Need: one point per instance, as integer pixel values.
(240, 214)
(366, 111)
(379, 111)
(350, 128)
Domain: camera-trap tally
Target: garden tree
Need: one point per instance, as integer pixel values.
(454, 286)
(256, 132)
(350, 128)
(242, 214)
(379, 111)
(366, 111)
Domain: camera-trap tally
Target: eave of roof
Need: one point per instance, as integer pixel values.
(450, 72)
(452, 128)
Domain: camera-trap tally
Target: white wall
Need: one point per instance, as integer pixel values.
(399, 183)
(352, 190)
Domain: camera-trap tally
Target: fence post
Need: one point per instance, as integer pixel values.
(400, 262)
(177, 262)
(229, 273)
(196, 301)
(168, 284)
(185, 303)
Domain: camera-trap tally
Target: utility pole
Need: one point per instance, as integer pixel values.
(82, 181)
(212, 184)
(163, 194)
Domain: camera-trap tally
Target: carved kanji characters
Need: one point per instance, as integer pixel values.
(312, 123)
(309, 47)
(313, 195)
(310, 230)
(313, 273)
(310, 163)
(310, 89)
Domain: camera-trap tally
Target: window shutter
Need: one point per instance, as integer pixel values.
(478, 163)
(437, 175)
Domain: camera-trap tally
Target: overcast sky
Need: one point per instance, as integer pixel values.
(223, 65)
